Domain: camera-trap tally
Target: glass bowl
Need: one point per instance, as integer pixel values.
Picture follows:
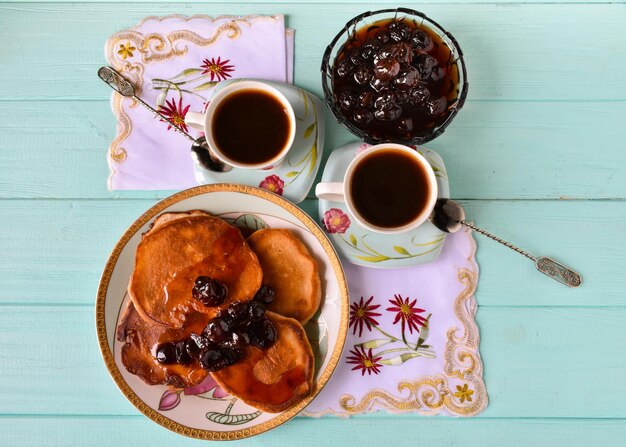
(366, 19)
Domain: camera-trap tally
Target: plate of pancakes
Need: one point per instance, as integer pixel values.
(222, 312)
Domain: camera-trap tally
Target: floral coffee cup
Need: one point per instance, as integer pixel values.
(382, 199)
(205, 122)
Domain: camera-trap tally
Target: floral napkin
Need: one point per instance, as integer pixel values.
(413, 343)
(174, 62)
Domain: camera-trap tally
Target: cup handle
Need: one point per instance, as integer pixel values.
(195, 120)
(332, 191)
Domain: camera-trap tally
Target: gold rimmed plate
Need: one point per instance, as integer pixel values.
(206, 411)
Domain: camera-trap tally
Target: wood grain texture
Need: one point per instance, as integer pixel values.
(54, 251)
(513, 51)
(493, 150)
(544, 120)
(379, 4)
(304, 432)
(553, 362)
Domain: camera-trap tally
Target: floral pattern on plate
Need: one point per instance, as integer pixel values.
(233, 414)
(206, 411)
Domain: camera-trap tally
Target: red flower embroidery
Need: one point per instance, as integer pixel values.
(175, 114)
(364, 361)
(218, 68)
(336, 221)
(273, 183)
(408, 313)
(361, 313)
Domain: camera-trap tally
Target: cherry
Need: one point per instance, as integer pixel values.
(362, 76)
(366, 98)
(402, 52)
(344, 67)
(399, 31)
(211, 358)
(407, 78)
(209, 291)
(421, 41)
(419, 94)
(377, 84)
(405, 125)
(200, 340)
(166, 353)
(214, 358)
(425, 64)
(347, 99)
(435, 107)
(386, 69)
(192, 347)
(438, 73)
(362, 116)
(238, 313)
(262, 333)
(388, 112)
(265, 295)
(237, 340)
(256, 310)
(217, 330)
(368, 50)
(383, 36)
(182, 356)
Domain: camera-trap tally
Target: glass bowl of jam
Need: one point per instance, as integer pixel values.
(394, 75)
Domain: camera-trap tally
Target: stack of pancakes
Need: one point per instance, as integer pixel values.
(177, 249)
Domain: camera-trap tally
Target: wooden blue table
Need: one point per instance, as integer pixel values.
(538, 155)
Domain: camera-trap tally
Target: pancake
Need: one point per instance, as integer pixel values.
(179, 248)
(140, 338)
(290, 270)
(164, 218)
(275, 379)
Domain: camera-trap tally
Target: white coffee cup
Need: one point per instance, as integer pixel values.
(203, 121)
(341, 191)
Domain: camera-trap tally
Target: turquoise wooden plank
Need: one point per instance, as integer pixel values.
(302, 432)
(516, 51)
(493, 150)
(539, 362)
(379, 3)
(531, 116)
(54, 251)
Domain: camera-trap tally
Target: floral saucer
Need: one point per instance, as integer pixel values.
(363, 247)
(294, 177)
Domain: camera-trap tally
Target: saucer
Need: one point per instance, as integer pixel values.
(364, 247)
(294, 177)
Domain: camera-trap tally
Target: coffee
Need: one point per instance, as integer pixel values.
(389, 188)
(251, 126)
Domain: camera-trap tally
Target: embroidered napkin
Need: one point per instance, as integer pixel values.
(413, 342)
(174, 62)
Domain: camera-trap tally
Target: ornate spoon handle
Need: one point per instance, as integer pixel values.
(545, 265)
(200, 146)
(117, 82)
(497, 239)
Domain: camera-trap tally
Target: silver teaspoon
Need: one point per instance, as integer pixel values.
(199, 145)
(449, 216)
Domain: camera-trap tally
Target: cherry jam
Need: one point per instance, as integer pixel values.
(394, 79)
